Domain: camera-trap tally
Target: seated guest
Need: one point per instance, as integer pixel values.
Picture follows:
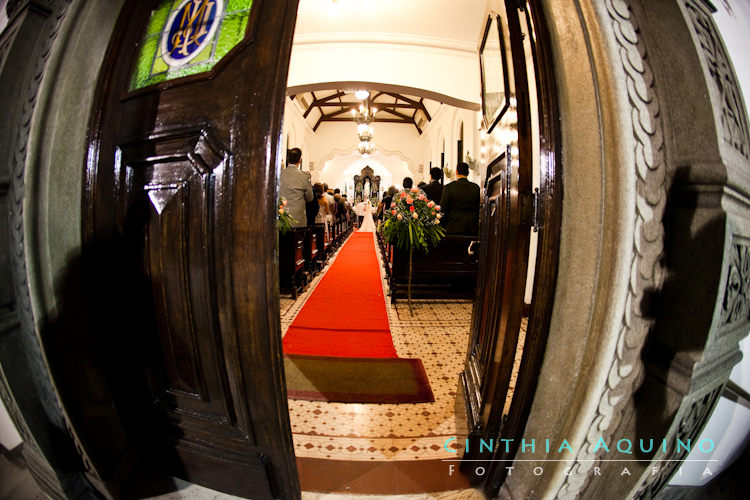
(408, 183)
(324, 209)
(460, 204)
(387, 199)
(313, 206)
(340, 206)
(434, 190)
(294, 185)
(347, 206)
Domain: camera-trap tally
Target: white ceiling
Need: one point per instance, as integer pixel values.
(456, 20)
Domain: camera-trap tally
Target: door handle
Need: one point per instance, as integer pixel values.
(470, 250)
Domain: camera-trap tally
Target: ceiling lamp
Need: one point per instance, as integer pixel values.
(364, 115)
(366, 147)
(361, 95)
(364, 132)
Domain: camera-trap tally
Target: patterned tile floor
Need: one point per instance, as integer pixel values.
(438, 334)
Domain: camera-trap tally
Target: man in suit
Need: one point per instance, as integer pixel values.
(294, 185)
(434, 190)
(460, 204)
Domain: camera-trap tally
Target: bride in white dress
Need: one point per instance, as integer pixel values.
(368, 225)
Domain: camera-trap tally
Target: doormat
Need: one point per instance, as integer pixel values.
(357, 380)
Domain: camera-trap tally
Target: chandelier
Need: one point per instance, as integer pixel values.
(366, 147)
(363, 117)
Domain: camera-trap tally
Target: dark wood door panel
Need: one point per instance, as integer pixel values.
(171, 178)
(182, 176)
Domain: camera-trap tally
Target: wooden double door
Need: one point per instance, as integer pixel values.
(180, 210)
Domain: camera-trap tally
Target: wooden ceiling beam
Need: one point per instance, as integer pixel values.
(379, 105)
(318, 102)
(310, 107)
(377, 120)
(320, 120)
(417, 104)
(406, 118)
(424, 110)
(337, 113)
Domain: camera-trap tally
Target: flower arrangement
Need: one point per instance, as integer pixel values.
(412, 221)
(285, 220)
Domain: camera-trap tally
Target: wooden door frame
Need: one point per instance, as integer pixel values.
(550, 220)
(51, 69)
(545, 276)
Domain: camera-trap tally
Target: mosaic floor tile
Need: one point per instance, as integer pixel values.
(438, 334)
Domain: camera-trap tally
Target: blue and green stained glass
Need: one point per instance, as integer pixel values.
(186, 37)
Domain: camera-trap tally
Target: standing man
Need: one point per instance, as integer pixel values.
(460, 204)
(434, 190)
(294, 185)
(359, 208)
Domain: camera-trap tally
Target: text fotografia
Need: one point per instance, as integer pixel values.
(538, 470)
(616, 451)
(624, 446)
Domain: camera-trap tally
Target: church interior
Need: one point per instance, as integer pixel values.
(229, 275)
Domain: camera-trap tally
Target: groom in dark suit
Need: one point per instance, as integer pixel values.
(434, 190)
(460, 204)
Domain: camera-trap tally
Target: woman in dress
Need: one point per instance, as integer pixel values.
(368, 225)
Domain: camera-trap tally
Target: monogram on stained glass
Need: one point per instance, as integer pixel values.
(186, 37)
(191, 27)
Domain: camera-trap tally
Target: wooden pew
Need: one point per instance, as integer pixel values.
(310, 252)
(322, 242)
(448, 271)
(292, 275)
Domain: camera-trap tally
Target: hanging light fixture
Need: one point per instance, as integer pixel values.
(366, 147)
(363, 117)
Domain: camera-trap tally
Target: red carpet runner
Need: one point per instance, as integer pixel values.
(345, 316)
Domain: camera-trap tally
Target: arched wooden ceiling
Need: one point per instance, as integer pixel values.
(335, 105)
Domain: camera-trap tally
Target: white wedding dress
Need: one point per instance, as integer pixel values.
(368, 225)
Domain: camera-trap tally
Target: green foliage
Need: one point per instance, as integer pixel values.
(285, 220)
(412, 221)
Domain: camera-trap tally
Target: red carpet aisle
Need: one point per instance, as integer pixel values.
(345, 315)
(339, 347)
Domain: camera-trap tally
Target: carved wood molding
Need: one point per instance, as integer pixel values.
(648, 245)
(733, 117)
(686, 428)
(735, 307)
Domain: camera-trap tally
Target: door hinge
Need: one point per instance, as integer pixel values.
(530, 210)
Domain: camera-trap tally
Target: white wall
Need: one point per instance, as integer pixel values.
(445, 128)
(447, 71)
(3, 15)
(9, 436)
(729, 425)
(422, 44)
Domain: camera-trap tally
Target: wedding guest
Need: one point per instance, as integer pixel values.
(294, 185)
(460, 204)
(313, 206)
(324, 209)
(434, 190)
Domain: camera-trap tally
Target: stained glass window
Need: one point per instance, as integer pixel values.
(185, 37)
